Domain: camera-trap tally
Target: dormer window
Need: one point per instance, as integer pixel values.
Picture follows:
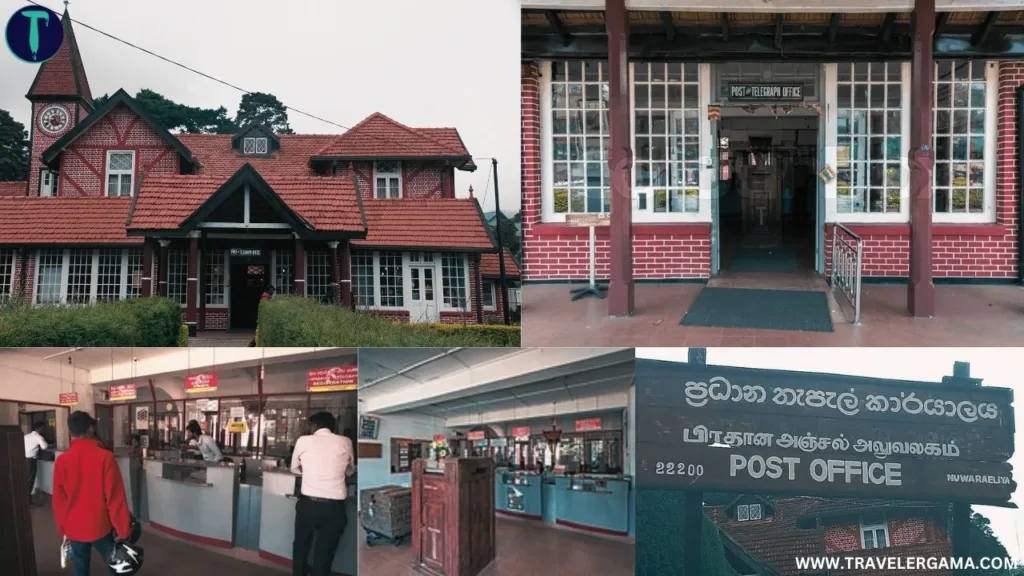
(874, 532)
(748, 512)
(387, 178)
(254, 146)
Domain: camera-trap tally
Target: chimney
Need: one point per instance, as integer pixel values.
(471, 191)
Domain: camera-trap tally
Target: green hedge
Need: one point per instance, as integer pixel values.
(144, 322)
(292, 321)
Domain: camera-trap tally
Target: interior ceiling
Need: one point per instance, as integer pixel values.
(85, 358)
(389, 369)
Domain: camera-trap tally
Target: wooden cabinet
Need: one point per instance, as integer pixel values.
(17, 548)
(453, 517)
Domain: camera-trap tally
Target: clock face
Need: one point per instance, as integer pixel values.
(54, 119)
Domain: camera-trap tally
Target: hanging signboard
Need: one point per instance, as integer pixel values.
(246, 252)
(142, 418)
(68, 398)
(205, 382)
(369, 426)
(476, 435)
(122, 392)
(207, 405)
(237, 423)
(790, 433)
(588, 424)
(766, 92)
(521, 432)
(333, 379)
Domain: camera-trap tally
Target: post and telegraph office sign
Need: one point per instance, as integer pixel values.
(776, 432)
(766, 93)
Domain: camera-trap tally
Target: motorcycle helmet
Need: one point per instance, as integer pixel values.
(136, 530)
(126, 559)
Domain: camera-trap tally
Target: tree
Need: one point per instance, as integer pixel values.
(176, 117)
(985, 544)
(13, 149)
(266, 109)
(509, 234)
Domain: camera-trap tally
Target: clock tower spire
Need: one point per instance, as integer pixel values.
(60, 97)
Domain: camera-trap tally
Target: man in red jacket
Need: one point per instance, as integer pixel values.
(89, 502)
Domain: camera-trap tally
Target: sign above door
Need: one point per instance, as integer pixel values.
(246, 252)
(766, 92)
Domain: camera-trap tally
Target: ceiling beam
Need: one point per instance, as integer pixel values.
(559, 26)
(725, 26)
(941, 21)
(985, 29)
(833, 28)
(886, 33)
(670, 27)
(779, 18)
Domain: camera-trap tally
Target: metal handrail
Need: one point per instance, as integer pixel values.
(847, 260)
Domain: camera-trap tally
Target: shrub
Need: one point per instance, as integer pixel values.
(293, 321)
(145, 322)
(183, 337)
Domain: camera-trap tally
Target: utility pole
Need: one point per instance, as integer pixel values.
(503, 282)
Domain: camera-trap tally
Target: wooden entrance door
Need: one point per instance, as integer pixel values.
(762, 195)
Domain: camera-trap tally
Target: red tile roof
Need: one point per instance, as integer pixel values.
(327, 204)
(217, 158)
(381, 137)
(64, 74)
(68, 220)
(489, 266)
(447, 223)
(13, 188)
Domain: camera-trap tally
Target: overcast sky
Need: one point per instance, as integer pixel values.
(1002, 367)
(425, 64)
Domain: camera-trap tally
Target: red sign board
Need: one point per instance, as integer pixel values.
(205, 382)
(68, 398)
(476, 435)
(332, 379)
(521, 432)
(122, 392)
(588, 424)
(440, 437)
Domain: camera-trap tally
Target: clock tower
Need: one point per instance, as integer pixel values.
(60, 98)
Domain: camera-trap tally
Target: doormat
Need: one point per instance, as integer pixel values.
(764, 260)
(760, 309)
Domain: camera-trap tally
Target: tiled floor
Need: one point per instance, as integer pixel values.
(164, 556)
(965, 316)
(525, 547)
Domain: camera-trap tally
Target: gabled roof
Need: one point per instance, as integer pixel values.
(381, 138)
(69, 220)
(13, 188)
(490, 267)
(275, 141)
(215, 156)
(120, 98)
(311, 204)
(443, 224)
(64, 74)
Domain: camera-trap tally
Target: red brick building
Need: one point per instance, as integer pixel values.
(705, 131)
(776, 531)
(117, 207)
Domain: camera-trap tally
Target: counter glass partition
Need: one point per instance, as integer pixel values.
(284, 420)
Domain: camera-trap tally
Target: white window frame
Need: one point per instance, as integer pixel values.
(224, 292)
(548, 214)
(251, 146)
(831, 128)
(406, 277)
(107, 173)
(48, 189)
(988, 213)
(395, 176)
(363, 255)
(407, 282)
(65, 256)
(742, 513)
(8, 269)
(175, 255)
(874, 528)
(307, 261)
(439, 275)
(490, 287)
(281, 266)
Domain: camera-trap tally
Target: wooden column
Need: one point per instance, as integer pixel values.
(920, 289)
(620, 159)
(161, 267)
(345, 263)
(18, 547)
(335, 273)
(299, 275)
(147, 269)
(192, 289)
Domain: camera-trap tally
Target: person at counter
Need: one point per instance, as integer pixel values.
(205, 443)
(34, 442)
(324, 460)
(89, 503)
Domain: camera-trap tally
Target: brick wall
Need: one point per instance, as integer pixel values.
(83, 165)
(41, 140)
(216, 319)
(529, 170)
(419, 179)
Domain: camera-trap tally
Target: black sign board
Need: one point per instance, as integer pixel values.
(368, 427)
(766, 92)
(246, 252)
(792, 433)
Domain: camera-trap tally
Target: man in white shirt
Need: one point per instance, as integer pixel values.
(324, 460)
(34, 442)
(205, 443)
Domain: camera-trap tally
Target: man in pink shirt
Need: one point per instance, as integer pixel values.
(324, 460)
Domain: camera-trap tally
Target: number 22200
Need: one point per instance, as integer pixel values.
(678, 469)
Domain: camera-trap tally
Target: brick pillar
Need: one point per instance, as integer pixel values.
(920, 288)
(335, 273)
(147, 268)
(300, 268)
(1008, 192)
(620, 158)
(345, 263)
(161, 273)
(530, 163)
(192, 290)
